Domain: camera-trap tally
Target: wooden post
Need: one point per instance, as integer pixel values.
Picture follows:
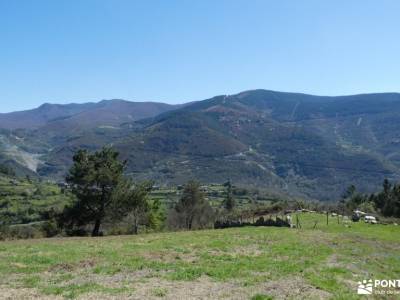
(315, 225)
(327, 218)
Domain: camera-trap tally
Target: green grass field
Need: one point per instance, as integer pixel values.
(238, 263)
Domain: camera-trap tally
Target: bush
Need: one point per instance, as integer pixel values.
(3, 233)
(29, 231)
(24, 231)
(50, 228)
(76, 232)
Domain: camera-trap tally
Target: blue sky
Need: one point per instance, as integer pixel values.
(176, 51)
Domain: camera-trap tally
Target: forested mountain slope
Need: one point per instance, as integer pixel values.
(297, 144)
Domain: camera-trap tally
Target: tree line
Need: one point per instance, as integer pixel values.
(385, 202)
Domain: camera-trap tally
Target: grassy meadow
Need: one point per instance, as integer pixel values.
(324, 262)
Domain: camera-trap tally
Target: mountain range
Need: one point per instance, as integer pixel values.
(287, 143)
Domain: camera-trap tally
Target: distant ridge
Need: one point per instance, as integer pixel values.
(300, 145)
(105, 110)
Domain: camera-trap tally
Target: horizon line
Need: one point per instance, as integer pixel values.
(190, 101)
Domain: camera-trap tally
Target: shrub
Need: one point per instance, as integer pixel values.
(24, 231)
(50, 228)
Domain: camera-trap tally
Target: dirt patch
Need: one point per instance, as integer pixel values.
(169, 256)
(202, 288)
(332, 261)
(252, 250)
(293, 288)
(65, 267)
(86, 264)
(18, 265)
(24, 294)
(114, 281)
(206, 288)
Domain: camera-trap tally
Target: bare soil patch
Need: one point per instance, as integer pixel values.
(200, 289)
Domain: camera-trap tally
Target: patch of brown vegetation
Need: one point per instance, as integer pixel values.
(114, 281)
(205, 288)
(169, 256)
(202, 288)
(68, 267)
(250, 250)
(63, 267)
(18, 265)
(7, 293)
(292, 288)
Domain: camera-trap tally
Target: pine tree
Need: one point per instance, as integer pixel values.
(229, 202)
(132, 199)
(192, 206)
(93, 178)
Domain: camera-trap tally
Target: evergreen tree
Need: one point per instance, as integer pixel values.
(93, 178)
(229, 202)
(351, 199)
(132, 199)
(192, 206)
